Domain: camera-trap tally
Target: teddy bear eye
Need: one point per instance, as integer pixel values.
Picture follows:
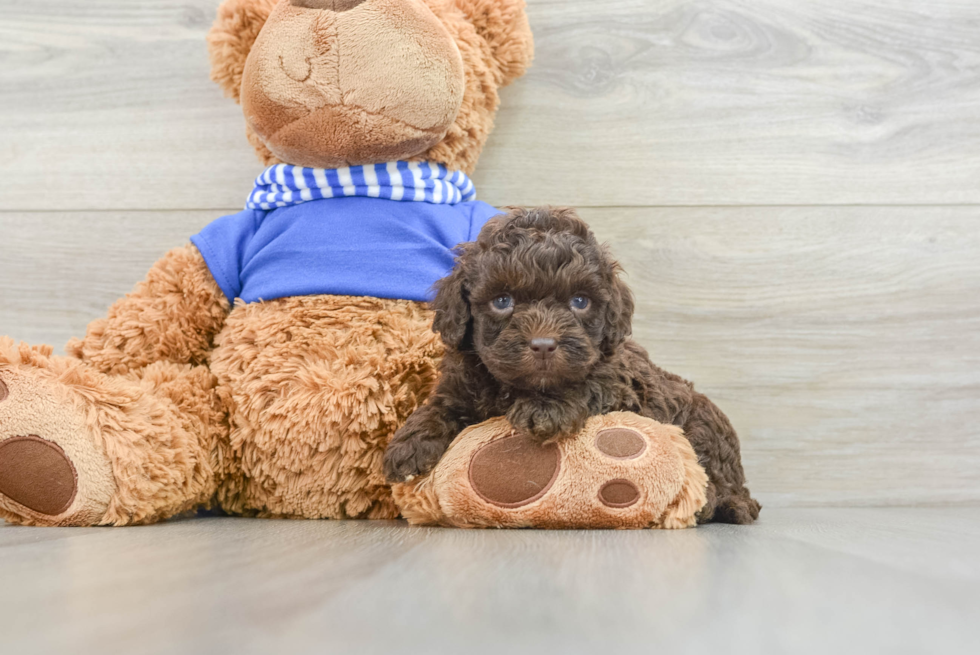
(580, 303)
(502, 303)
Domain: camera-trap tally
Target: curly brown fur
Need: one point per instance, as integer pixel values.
(536, 324)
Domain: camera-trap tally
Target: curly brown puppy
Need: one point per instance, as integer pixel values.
(536, 324)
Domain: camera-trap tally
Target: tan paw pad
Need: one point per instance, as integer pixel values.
(620, 443)
(619, 493)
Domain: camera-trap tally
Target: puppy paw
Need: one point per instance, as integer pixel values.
(544, 420)
(405, 459)
(739, 510)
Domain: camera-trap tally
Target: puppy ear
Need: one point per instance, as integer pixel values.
(452, 306)
(230, 40)
(619, 314)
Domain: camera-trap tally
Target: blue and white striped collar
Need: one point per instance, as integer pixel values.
(283, 185)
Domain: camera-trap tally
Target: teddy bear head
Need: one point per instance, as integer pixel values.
(330, 83)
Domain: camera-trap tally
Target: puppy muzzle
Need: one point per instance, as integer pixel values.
(543, 348)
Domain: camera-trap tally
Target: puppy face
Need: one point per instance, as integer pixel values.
(537, 298)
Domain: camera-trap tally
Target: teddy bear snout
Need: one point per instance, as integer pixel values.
(332, 5)
(337, 88)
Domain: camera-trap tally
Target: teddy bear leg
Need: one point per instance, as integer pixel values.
(78, 447)
(318, 385)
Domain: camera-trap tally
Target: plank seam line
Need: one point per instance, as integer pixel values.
(232, 210)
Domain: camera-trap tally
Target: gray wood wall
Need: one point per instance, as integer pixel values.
(793, 188)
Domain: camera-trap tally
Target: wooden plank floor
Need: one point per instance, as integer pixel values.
(885, 580)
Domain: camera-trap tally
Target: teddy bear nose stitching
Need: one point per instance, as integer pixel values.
(333, 5)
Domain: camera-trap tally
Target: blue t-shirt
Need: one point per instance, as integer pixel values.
(356, 246)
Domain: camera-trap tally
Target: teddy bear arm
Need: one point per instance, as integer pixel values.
(172, 316)
(504, 26)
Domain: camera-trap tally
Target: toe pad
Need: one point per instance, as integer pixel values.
(514, 471)
(37, 474)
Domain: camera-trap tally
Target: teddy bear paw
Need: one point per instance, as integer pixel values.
(620, 471)
(518, 470)
(51, 472)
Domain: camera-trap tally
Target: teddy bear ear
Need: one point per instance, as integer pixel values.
(503, 25)
(231, 38)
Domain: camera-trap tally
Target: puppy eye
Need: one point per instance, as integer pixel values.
(502, 303)
(580, 303)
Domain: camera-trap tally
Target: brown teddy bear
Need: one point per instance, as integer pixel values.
(264, 367)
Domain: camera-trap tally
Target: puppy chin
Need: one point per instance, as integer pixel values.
(538, 376)
(542, 380)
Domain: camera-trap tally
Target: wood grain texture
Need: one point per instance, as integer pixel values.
(800, 581)
(60, 271)
(844, 343)
(106, 104)
(762, 102)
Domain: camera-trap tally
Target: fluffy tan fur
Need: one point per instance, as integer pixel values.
(231, 37)
(316, 386)
(172, 316)
(157, 430)
(496, 48)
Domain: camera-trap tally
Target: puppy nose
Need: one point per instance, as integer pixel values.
(333, 5)
(543, 347)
